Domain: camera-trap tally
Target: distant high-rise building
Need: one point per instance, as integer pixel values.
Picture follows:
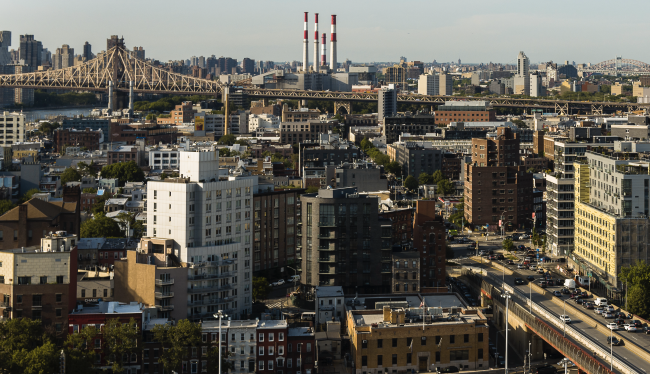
(201, 62)
(5, 43)
(226, 64)
(46, 57)
(248, 65)
(114, 41)
(30, 51)
(88, 54)
(387, 105)
(63, 58)
(522, 78)
(138, 52)
(23, 96)
(435, 84)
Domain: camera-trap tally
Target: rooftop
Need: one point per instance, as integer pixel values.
(329, 291)
(272, 324)
(301, 331)
(112, 307)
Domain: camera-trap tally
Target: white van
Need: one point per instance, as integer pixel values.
(601, 301)
(294, 278)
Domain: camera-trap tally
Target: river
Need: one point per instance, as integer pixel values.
(45, 113)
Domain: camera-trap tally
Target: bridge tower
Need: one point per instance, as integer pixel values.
(346, 105)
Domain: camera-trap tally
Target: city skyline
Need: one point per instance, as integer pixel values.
(367, 32)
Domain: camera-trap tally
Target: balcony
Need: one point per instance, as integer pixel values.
(195, 290)
(327, 223)
(166, 282)
(327, 247)
(331, 235)
(202, 277)
(327, 259)
(165, 308)
(163, 295)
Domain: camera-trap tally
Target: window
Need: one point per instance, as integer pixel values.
(394, 342)
(466, 338)
(394, 362)
(270, 366)
(281, 336)
(380, 343)
(271, 338)
(380, 360)
(261, 351)
(480, 338)
(364, 360)
(58, 312)
(260, 365)
(480, 353)
(409, 357)
(364, 344)
(423, 341)
(452, 339)
(261, 337)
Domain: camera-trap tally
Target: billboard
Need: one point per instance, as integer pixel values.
(199, 123)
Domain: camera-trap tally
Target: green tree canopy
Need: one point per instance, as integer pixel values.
(437, 176)
(311, 189)
(5, 206)
(18, 338)
(227, 139)
(70, 175)
(89, 190)
(411, 183)
(637, 279)
(40, 360)
(101, 227)
(508, 245)
(445, 187)
(79, 350)
(28, 195)
(260, 288)
(120, 340)
(425, 178)
(393, 167)
(124, 172)
(176, 340)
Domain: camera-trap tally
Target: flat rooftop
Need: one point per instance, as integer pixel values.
(112, 307)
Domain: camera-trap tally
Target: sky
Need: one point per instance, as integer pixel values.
(367, 31)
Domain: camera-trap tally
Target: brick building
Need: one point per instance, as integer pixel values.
(301, 351)
(406, 272)
(183, 113)
(276, 216)
(464, 111)
(451, 166)
(257, 150)
(429, 238)
(40, 282)
(497, 186)
(88, 138)
(272, 337)
(401, 224)
(416, 159)
(152, 134)
(299, 115)
(298, 132)
(26, 224)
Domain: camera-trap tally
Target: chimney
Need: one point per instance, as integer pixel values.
(387, 313)
(333, 44)
(110, 95)
(131, 96)
(316, 67)
(305, 56)
(323, 58)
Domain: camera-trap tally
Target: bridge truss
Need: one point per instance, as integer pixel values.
(117, 66)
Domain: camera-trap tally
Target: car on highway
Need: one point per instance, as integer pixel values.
(630, 327)
(521, 247)
(540, 271)
(620, 315)
(500, 257)
(612, 326)
(543, 284)
(521, 266)
(578, 300)
(524, 237)
(492, 257)
(610, 308)
(565, 291)
(599, 310)
(510, 262)
(636, 323)
(607, 314)
(613, 341)
(557, 293)
(588, 305)
(533, 267)
(566, 319)
(619, 321)
(519, 281)
(646, 330)
(530, 277)
(483, 253)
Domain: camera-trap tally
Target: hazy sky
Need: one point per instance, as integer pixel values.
(474, 31)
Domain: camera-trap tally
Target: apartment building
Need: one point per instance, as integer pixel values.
(182, 113)
(612, 206)
(416, 159)
(406, 272)
(397, 340)
(163, 158)
(40, 282)
(497, 187)
(299, 115)
(242, 343)
(12, 128)
(464, 111)
(88, 139)
(276, 216)
(342, 241)
(429, 239)
(330, 305)
(215, 123)
(308, 132)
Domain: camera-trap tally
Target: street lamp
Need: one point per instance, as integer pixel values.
(611, 349)
(220, 314)
(502, 225)
(295, 272)
(565, 362)
(507, 296)
(564, 319)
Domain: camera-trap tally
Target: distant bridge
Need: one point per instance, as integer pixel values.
(619, 65)
(118, 66)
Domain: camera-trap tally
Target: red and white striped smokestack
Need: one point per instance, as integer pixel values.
(323, 58)
(305, 56)
(316, 69)
(333, 65)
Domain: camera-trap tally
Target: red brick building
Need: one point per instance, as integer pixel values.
(26, 224)
(272, 338)
(100, 315)
(88, 139)
(429, 238)
(401, 224)
(301, 351)
(451, 166)
(152, 133)
(464, 111)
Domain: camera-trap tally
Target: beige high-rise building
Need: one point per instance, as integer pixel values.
(522, 78)
(63, 58)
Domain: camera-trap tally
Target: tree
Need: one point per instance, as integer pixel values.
(242, 142)
(260, 288)
(425, 178)
(508, 245)
(637, 280)
(18, 335)
(393, 167)
(151, 117)
(28, 195)
(98, 207)
(87, 169)
(5, 206)
(124, 172)
(411, 183)
(437, 176)
(227, 139)
(521, 124)
(311, 189)
(79, 350)
(176, 340)
(40, 360)
(120, 340)
(101, 227)
(213, 361)
(445, 187)
(125, 219)
(89, 190)
(70, 175)
(366, 144)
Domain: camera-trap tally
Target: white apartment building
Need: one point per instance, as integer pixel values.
(263, 122)
(242, 345)
(215, 123)
(163, 158)
(208, 216)
(435, 84)
(12, 128)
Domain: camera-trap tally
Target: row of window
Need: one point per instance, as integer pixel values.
(423, 341)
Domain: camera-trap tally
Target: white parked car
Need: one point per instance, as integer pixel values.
(566, 319)
(598, 310)
(533, 267)
(612, 326)
(630, 328)
(277, 283)
(607, 314)
(610, 308)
